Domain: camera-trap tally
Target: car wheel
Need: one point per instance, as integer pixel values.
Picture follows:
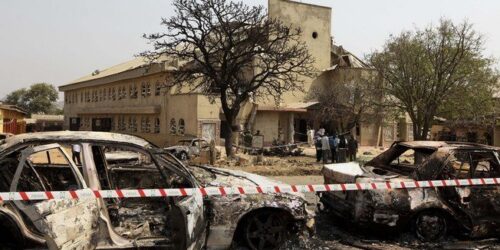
(183, 156)
(266, 230)
(430, 225)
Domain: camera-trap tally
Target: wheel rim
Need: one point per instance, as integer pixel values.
(430, 226)
(265, 231)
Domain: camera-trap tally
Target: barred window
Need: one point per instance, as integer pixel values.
(173, 126)
(147, 129)
(132, 124)
(157, 125)
(133, 91)
(148, 89)
(181, 127)
(143, 89)
(157, 88)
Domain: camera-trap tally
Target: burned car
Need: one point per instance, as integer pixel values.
(107, 161)
(431, 213)
(187, 149)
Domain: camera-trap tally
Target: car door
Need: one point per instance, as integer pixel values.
(480, 202)
(192, 209)
(65, 223)
(484, 200)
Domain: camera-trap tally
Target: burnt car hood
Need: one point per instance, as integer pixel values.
(177, 148)
(218, 177)
(352, 172)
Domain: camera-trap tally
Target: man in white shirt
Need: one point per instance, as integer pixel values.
(76, 150)
(325, 147)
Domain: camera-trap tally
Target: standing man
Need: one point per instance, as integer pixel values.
(76, 149)
(333, 147)
(317, 145)
(325, 146)
(353, 148)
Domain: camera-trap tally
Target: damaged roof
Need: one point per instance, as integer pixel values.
(74, 136)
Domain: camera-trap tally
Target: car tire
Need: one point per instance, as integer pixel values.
(183, 156)
(430, 225)
(266, 229)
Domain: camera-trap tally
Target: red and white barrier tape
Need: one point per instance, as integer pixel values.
(222, 191)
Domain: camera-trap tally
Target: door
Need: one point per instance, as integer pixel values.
(481, 203)
(191, 210)
(74, 123)
(67, 223)
(102, 124)
(208, 131)
(174, 222)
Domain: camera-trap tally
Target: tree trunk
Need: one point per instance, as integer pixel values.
(228, 137)
(228, 144)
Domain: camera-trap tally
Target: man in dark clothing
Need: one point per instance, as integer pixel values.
(353, 148)
(333, 147)
(317, 145)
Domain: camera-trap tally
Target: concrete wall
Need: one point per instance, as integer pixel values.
(268, 124)
(310, 19)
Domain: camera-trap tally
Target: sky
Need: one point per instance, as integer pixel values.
(57, 41)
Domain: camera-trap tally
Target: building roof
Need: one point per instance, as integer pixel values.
(12, 108)
(125, 66)
(136, 67)
(346, 59)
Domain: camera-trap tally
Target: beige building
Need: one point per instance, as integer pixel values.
(132, 98)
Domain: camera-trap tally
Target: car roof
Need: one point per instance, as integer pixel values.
(77, 136)
(445, 144)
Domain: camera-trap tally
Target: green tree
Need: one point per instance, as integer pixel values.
(437, 70)
(234, 52)
(39, 98)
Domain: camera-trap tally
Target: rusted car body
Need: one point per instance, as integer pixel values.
(40, 162)
(431, 213)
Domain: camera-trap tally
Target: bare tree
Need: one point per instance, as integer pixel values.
(350, 101)
(426, 69)
(234, 52)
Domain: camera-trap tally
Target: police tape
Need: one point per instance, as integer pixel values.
(225, 191)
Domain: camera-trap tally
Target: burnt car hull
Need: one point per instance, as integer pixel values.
(473, 211)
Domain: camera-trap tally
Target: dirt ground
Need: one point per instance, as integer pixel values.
(288, 165)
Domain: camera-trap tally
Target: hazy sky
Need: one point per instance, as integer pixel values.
(57, 41)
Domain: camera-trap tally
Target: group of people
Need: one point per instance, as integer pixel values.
(335, 148)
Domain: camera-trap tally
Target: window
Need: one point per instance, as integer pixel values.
(54, 170)
(484, 165)
(173, 126)
(460, 166)
(133, 91)
(145, 125)
(181, 127)
(315, 35)
(132, 124)
(157, 125)
(157, 88)
(143, 89)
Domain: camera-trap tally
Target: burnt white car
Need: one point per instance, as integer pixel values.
(431, 213)
(108, 161)
(189, 148)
